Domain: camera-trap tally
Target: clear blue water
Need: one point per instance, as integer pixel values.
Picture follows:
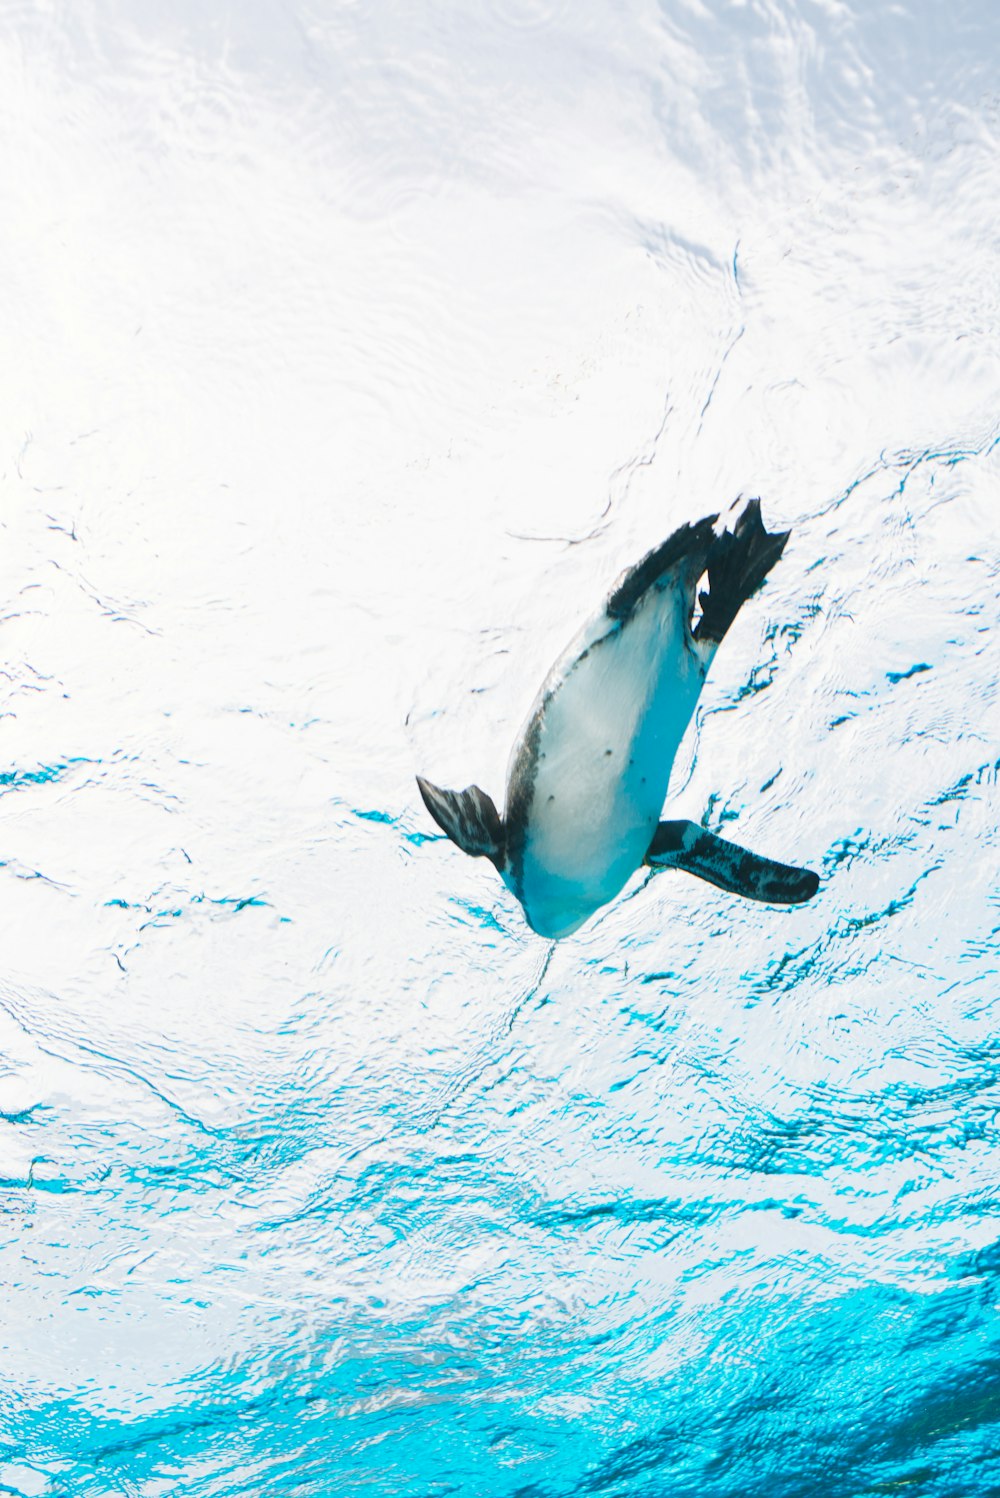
(350, 351)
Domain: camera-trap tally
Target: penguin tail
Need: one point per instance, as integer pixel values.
(688, 548)
(738, 562)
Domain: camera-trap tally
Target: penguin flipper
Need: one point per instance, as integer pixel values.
(685, 845)
(468, 817)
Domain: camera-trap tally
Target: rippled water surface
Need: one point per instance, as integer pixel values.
(350, 350)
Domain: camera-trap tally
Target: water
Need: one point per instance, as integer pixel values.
(350, 351)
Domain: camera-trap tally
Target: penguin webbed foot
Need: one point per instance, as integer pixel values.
(684, 845)
(738, 562)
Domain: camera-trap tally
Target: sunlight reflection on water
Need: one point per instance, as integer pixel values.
(351, 352)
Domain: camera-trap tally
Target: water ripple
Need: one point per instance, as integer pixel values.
(355, 350)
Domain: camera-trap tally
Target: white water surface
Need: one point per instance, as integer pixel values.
(350, 351)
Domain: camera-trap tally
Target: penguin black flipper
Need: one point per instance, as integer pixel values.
(468, 817)
(685, 845)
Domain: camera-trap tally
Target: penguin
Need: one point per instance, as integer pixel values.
(589, 773)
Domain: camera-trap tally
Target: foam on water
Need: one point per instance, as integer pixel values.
(351, 351)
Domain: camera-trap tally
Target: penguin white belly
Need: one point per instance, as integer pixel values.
(606, 730)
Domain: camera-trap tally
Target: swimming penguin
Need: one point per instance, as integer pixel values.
(589, 773)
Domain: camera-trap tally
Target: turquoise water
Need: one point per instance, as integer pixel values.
(351, 350)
